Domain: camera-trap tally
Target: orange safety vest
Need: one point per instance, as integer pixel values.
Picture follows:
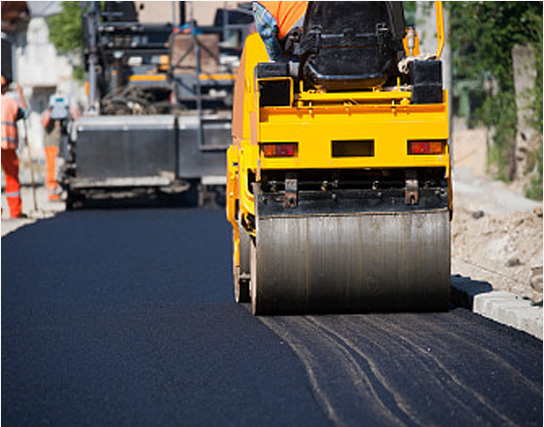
(10, 137)
(286, 14)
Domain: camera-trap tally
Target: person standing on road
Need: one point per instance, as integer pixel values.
(51, 147)
(11, 113)
(274, 21)
(54, 121)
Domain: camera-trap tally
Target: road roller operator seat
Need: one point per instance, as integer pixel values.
(350, 45)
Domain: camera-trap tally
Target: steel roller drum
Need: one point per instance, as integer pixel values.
(367, 262)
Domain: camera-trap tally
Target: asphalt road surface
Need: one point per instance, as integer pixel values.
(126, 318)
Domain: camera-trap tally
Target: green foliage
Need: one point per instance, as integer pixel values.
(409, 13)
(534, 191)
(536, 27)
(483, 34)
(65, 28)
(499, 111)
(79, 74)
(66, 33)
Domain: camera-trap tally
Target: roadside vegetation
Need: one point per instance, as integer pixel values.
(66, 33)
(482, 35)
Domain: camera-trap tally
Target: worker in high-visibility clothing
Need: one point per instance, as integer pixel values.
(11, 113)
(54, 122)
(275, 20)
(52, 137)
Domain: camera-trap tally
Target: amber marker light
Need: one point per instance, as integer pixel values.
(426, 147)
(279, 150)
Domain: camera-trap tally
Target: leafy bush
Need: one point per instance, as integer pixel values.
(482, 37)
(65, 28)
(66, 32)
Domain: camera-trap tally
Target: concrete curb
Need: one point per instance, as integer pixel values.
(500, 306)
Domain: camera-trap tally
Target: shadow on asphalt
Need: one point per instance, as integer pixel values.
(464, 289)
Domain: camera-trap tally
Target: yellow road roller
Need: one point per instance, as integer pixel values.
(338, 175)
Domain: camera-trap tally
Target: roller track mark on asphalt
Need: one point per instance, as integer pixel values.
(362, 372)
(305, 357)
(363, 331)
(475, 347)
(401, 403)
(370, 338)
(317, 366)
(478, 347)
(425, 355)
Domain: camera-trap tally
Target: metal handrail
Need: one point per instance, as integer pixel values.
(439, 8)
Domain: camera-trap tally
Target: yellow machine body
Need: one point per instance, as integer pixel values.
(360, 131)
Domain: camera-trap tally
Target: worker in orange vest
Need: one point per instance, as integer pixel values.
(54, 122)
(11, 113)
(51, 146)
(275, 20)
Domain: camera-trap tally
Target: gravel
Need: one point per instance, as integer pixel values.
(497, 236)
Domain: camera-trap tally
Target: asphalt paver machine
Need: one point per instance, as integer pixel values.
(339, 185)
(160, 97)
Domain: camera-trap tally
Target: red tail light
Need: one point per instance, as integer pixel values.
(279, 150)
(426, 147)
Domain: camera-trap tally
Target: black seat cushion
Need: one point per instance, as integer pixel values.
(350, 45)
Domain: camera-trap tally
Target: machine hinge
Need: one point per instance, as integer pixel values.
(412, 186)
(291, 190)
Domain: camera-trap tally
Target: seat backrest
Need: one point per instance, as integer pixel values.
(350, 45)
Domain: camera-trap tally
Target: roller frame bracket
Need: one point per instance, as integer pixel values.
(291, 191)
(412, 189)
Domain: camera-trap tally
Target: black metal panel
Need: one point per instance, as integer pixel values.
(125, 150)
(272, 69)
(427, 80)
(124, 11)
(7, 65)
(275, 93)
(203, 157)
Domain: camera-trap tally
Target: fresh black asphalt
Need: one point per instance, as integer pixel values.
(126, 317)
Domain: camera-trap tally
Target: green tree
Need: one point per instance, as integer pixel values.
(66, 32)
(482, 36)
(65, 28)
